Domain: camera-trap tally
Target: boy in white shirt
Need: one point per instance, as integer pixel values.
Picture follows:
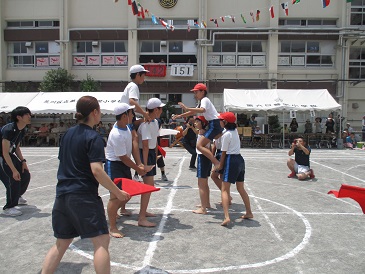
(147, 137)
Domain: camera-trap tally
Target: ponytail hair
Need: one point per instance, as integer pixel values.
(84, 106)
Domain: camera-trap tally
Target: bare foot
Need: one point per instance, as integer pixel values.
(125, 212)
(247, 216)
(226, 222)
(116, 233)
(146, 223)
(200, 211)
(201, 206)
(148, 214)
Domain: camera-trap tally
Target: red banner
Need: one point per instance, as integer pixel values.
(155, 70)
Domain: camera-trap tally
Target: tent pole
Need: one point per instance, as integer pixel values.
(283, 132)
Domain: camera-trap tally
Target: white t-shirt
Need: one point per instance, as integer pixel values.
(231, 142)
(210, 111)
(130, 91)
(119, 143)
(197, 140)
(218, 142)
(150, 132)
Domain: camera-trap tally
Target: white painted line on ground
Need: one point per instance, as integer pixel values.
(156, 238)
(344, 173)
(273, 228)
(53, 157)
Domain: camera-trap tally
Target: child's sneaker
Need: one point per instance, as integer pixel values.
(22, 201)
(13, 212)
(163, 177)
(311, 175)
(292, 175)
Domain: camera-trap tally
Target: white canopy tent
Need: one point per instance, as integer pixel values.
(65, 102)
(279, 100)
(11, 100)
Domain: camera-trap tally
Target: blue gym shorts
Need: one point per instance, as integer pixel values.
(213, 130)
(117, 169)
(204, 167)
(78, 214)
(234, 169)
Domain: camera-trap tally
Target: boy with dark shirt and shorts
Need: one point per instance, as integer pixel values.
(300, 167)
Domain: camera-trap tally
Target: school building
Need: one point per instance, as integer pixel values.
(311, 44)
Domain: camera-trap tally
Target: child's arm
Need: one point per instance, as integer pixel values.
(221, 161)
(138, 109)
(191, 110)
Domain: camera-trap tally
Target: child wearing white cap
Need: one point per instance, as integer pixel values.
(147, 136)
(130, 96)
(118, 161)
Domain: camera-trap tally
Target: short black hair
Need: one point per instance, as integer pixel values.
(133, 75)
(19, 111)
(230, 126)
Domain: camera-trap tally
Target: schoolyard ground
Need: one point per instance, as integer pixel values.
(297, 226)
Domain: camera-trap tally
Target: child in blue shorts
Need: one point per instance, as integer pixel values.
(204, 167)
(210, 114)
(233, 166)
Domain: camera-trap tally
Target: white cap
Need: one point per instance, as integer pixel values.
(136, 69)
(154, 103)
(121, 108)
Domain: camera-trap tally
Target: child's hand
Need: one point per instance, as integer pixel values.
(182, 105)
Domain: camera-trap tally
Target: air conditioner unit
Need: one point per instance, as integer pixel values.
(95, 43)
(163, 44)
(28, 44)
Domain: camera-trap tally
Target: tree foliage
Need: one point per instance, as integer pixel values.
(57, 80)
(89, 84)
(274, 124)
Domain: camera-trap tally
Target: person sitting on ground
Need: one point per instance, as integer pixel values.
(300, 166)
(350, 141)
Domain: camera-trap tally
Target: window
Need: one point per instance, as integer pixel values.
(168, 52)
(357, 63)
(357, 13)
(175, 98)
(308, 22)
(34, 54)
(307, 53)
(237, 53)
(33, 24)
(100, 54)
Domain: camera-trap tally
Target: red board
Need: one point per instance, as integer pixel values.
(155, 70)
(134, 188)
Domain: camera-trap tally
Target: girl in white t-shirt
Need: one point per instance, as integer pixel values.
(210, 114)
(233, 166)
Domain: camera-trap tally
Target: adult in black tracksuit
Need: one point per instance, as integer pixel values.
(14, 172)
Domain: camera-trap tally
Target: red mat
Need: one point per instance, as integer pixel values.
(134, 188)
(354, 192)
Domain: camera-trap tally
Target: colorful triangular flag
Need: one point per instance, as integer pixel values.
(134, 8)
(271, 10)
(243, 18)
(215, 21)
(129, 2)
(154, 20)
(295, 1)
(285, 7)
(252, 16)
(326, 3)
(257, 15)
(140, 11)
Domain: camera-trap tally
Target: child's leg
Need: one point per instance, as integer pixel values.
(204, 196)
(145, 198)
(112, 210)
(225, 202)
(203, 141)
(216, 177)
(246, 200)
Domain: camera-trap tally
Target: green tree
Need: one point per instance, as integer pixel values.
(89, 84)
(274, 124)
(57, 80)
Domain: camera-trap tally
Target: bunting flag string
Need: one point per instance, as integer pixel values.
(140, 11)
